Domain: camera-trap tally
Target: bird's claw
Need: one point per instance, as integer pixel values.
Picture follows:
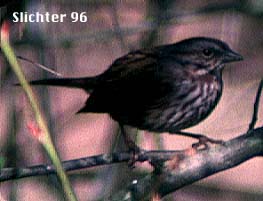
(134, 151)
(203, 142)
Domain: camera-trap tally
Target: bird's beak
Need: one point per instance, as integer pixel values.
(231, 56)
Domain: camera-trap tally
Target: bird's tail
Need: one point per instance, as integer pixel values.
(86, 83)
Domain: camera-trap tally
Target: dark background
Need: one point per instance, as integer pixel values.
(84, 49)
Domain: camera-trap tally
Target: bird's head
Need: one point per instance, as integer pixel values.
(205, 54)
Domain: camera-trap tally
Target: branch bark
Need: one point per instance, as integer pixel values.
(178, 173)
(178, 168)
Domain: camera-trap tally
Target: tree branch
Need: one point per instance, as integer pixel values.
(87, 162)
(180, 168)
(256, 106)
(178, 173)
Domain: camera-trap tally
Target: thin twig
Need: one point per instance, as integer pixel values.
(87, 162)
(40, 66)
(256, 106)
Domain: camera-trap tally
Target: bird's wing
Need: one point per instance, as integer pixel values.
(130, 65)
(134, 84)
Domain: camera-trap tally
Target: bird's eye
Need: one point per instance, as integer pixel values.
(208, 53)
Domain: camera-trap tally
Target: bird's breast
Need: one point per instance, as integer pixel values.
(197, 104)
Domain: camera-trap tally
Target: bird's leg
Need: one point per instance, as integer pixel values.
(132, 147)
(202, 139)
(128, 141)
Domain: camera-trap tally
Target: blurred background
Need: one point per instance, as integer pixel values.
(114, 28)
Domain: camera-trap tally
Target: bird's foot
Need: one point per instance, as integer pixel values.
(134, 151)
(203, 142)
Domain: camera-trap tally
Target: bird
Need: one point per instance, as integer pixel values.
(162, 89)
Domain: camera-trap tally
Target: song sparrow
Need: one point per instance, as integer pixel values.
(163, 89)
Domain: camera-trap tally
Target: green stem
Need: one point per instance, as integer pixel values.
(44, 137)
